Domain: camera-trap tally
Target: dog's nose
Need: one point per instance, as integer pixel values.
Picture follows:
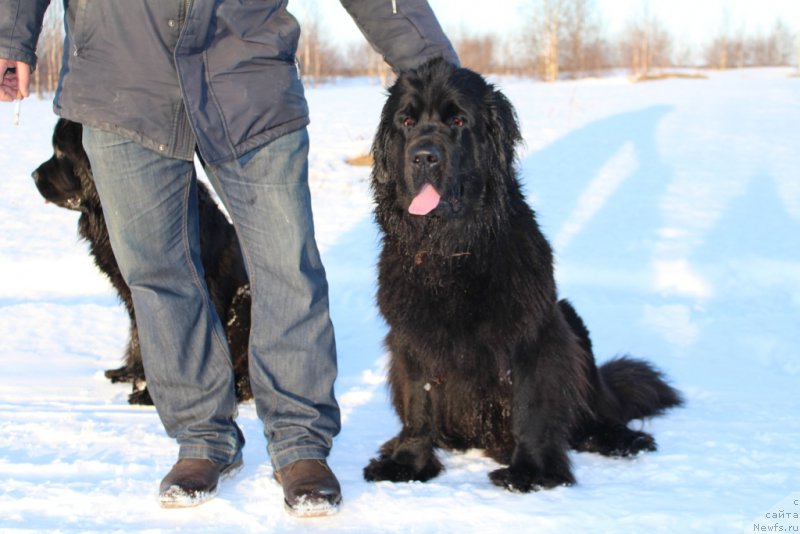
(35, 176)
(426, 156)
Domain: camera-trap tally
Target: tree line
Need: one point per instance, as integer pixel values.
(562, 39)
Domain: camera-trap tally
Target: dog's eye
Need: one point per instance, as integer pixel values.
(458, 122)
(408, 122)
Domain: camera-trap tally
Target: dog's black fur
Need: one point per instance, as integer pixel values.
(483, 354)
(66, 180)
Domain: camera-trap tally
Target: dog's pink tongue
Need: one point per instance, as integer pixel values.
(425, 201)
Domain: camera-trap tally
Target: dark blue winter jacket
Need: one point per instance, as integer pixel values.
(219, 74)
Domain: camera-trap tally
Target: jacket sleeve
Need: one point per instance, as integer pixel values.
(20, 25)
(405, 32)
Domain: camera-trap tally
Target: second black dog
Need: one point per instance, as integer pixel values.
(66, 180)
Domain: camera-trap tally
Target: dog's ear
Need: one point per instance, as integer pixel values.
(502, 127)
(380, 150)
(68, 137)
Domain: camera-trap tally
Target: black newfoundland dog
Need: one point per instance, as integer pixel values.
(483, 354)
(66, 180)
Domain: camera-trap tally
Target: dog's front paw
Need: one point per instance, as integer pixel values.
(387, 468)
(140, 397)
(121, 374)
(525, 481)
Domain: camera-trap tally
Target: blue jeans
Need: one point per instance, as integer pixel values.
(150, 206)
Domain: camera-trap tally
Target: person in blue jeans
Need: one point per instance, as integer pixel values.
(153, 81)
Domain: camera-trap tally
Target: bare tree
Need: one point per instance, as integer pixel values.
(361, 59)
(553, 17)
(718, 52)
(565, 36)
(583, 48)
(779, 45)
(645, 44)
(318, 57)
(49, 51)
(545, 37)
(477, 53)
(797, 57)
(509, 55)
(576, 25)
(729, 50)
(310, 51)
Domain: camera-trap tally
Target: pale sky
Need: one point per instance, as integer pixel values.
(690, 21)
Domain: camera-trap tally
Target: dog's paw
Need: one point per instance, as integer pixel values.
(525, 481)
(619, 442)
(141, 397)
(121, 374)
(390, 469)
(636, 443)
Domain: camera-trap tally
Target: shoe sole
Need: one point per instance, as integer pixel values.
(175, 497)
(304, 511)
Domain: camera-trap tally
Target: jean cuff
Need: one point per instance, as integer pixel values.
(219, 456)
(285, 457)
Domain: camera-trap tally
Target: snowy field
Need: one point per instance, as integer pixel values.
(674, 209)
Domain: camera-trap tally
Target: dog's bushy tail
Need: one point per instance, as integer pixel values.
(629, 388)
(639, 389)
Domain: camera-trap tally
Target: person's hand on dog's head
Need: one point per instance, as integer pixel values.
(16, 81)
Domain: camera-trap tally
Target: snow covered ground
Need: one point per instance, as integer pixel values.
(674, 208)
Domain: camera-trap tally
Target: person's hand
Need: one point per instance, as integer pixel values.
(16, 80)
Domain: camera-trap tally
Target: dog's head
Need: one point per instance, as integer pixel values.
(65, 178)
(445, 144)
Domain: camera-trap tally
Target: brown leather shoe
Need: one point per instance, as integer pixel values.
(193, 481)
(310, 488)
